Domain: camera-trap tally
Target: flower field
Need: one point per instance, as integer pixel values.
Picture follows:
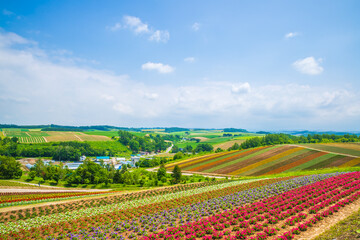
(266, 161)
(14, 199)
(277, 208)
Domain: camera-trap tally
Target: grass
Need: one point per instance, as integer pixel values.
(346, 229)
(103, 133)
(7, 183)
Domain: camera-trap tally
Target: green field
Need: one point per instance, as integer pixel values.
(103, 133)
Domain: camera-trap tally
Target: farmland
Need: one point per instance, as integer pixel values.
(278, 208)
(343, 148)
(266, 161)
(37, 136)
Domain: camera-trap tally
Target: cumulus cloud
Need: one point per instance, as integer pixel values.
(189, 59)
(7, 12)
(196, 26)
(48, 92)
(291, 35)
(115, 27)
(137, 26)
(240, 88)
(161, 68)
(160, 36)
(309, 66)
(12, 39)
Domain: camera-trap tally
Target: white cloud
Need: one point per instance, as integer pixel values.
(135, 24)
(309, 66)
(240, 88)
(123, 108)
(115, 27)
(161, 68)
(160, 36)
(196, 26)
(291, 35)
(12, 39)
(189, 59)
(7, 12)
(107, 97)
(48, 92)
(151, 96)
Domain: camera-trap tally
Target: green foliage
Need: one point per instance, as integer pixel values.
(178, 155)
(147, 143)
(161, 173)
(88, 173)
(234, 130)
(9, 168)
(204, 147)
(176, 174)
(71, 150)
(148, 162)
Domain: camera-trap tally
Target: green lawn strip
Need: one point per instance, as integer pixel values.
(311, 163)
(212, 160)
(240, 159)
(324, 163)
(334, 149)
(261, 167)
(349, 228)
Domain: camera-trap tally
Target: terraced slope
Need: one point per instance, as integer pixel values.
(342, 148)
(267, 160)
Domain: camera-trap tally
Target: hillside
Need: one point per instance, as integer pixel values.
(267, 160)
(37, 136)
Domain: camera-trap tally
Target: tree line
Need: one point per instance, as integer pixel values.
(148, 143)
(61, 151)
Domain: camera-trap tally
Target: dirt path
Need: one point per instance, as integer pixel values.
(46, 188)
(303, 146)
(328, 222)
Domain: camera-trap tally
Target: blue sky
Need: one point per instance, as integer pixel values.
(260, 65)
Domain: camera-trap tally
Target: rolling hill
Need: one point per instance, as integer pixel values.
(267, 160)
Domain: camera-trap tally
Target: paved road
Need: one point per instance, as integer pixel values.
(169, 148)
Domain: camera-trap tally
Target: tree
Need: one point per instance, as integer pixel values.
(175, 149)
(134, 145)
(9, 168)
(204, 147)
(161, 172)
(176, 174)
(178, 155)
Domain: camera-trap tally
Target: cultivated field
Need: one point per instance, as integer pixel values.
(228, 144)
(26, 136)
(266, 161)
(277, 208)
(343, 148)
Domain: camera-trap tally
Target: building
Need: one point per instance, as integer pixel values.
(73, 165)
(102, 158)
(134, 160)
(83, 158)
